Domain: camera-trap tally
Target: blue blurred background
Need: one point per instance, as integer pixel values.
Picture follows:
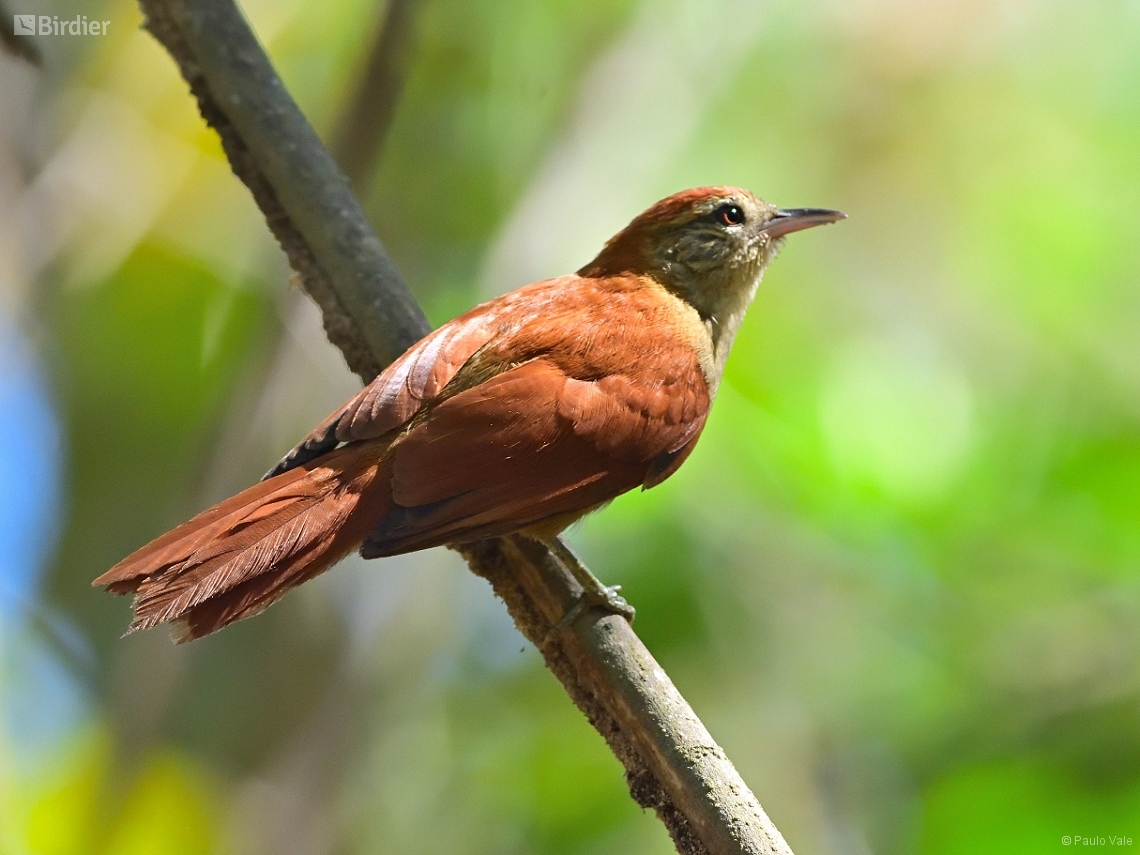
(899, 579)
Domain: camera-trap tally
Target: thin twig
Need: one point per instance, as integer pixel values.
(672, 764)
(305, 197)
(17, 45)
(361, 131)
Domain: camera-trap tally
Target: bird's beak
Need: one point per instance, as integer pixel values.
(784, 222)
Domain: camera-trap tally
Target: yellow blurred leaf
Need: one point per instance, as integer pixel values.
(168, 813)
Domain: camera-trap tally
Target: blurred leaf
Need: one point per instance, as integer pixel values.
(168, 812)
(63, 817)
(1023, 808)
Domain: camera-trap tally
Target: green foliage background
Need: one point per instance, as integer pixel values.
(900, 577)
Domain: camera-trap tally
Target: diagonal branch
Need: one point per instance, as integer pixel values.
(672, 763)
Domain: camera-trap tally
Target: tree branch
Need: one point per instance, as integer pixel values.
(672, 763)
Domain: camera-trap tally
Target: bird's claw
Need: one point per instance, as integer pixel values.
(607, 598)
(614, 602)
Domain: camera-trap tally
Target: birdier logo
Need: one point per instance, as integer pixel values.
(51, 25)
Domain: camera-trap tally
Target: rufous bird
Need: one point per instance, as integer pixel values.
(522, 415)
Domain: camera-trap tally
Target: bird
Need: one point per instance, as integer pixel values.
(520, 416)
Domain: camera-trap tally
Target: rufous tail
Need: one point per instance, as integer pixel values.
(241, 555)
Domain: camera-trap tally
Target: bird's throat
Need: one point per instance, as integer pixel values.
(712, 323)
(722, 330)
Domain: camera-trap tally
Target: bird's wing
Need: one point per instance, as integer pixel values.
(420, 375)
(548, 439)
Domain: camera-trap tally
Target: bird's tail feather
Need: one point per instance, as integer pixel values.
(241, 555)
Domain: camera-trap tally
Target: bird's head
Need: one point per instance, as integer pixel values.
(708, 245)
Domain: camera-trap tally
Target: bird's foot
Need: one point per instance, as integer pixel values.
(607, 598)
(613, 601)
(594, 593)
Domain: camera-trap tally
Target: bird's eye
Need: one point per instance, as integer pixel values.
(730, 215)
